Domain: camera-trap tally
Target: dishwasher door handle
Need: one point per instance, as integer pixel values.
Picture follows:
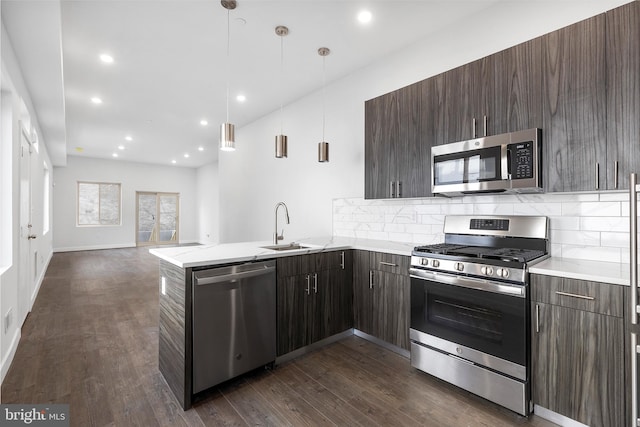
(233, 276)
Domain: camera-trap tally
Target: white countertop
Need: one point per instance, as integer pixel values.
(595, 271)
(225, 253)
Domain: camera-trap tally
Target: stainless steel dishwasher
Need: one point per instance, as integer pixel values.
(234, 321)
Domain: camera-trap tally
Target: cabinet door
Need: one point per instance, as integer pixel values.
(623, 94)
(292, 313)
(574, 106)
(518, 88)
(412, 149)
(362, 293)
(391, 307)
(459, 104)
(577, 359)
(382, 121)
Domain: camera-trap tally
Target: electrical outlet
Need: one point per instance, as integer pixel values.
(8, 318)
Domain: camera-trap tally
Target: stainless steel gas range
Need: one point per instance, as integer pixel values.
(470, 308)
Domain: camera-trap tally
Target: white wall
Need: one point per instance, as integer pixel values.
(16, 111)
(132, 177)
(253, 181)
(208, 204)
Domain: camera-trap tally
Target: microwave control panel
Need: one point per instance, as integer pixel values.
(521, 160)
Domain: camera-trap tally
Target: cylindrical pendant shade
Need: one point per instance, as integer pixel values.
(227, 137)
(281, 146)
(323, 152)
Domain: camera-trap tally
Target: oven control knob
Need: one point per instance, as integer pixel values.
(459, 266)
(435, 263)
(488, 271)
(424, 261)
(502, 272)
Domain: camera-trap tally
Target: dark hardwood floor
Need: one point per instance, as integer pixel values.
(92, 341)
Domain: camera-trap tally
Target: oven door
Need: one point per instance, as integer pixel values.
(483, 321)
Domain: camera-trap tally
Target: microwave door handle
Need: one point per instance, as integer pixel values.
(506, 169)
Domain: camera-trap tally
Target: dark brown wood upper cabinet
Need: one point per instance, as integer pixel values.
(623, 94)
(518, 81)
(578, 84)
(397, 150)
(574, 107)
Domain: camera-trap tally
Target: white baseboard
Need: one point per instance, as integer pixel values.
(40, 279)
(556, 418)
(94, 247)
(6, 362)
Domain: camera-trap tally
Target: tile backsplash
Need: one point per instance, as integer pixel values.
(589, 226)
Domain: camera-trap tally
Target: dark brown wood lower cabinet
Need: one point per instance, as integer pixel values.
(381, 293)
(577, 358)
(313, 305)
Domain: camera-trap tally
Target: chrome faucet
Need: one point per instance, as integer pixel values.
(277, 237)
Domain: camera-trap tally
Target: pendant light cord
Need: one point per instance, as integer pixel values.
(323, 96)
(228, 44)
(281, 81)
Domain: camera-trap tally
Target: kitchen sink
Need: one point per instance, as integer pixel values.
(289, 247)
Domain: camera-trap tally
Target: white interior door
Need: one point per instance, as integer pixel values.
(26, 275)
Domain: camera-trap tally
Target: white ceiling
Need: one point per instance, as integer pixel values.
(170, 68)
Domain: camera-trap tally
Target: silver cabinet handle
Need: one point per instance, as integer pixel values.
(615, 175)
(567, 294)
(634, 383)
(398, 188)
(342, 260)
(537, 318)
(308, 284)
(315, 283)
(597, 176)
(390, 264)
(473, 130)
(391, 189)
(633, 248)
(370, 279)
(486, 125)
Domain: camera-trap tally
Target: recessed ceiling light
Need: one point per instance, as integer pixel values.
(186, 155)
(96, 100)
(115, 154)
(128, 138)
(204, 122)
(173, 161)
(241, 98)
(106, 58)
(120, 147)
(365, 16)
(200, 148)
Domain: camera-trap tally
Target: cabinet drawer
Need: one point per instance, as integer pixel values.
(397, 264)
(584, 295)
(303, 264)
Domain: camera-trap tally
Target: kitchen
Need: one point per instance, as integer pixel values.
(328, 196)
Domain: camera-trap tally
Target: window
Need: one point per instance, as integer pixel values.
(98, 203)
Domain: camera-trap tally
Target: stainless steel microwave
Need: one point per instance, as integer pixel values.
(505, 163)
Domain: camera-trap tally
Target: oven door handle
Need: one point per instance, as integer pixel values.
(469, 282)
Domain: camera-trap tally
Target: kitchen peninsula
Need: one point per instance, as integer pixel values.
(178, 264)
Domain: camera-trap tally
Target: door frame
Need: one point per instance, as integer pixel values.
(26, 264)
(158, 195)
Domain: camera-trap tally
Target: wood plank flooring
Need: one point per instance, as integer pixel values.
(92, 341)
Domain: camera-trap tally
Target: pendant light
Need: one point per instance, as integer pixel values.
(281, 140)
(323, 147)
(227, 130)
